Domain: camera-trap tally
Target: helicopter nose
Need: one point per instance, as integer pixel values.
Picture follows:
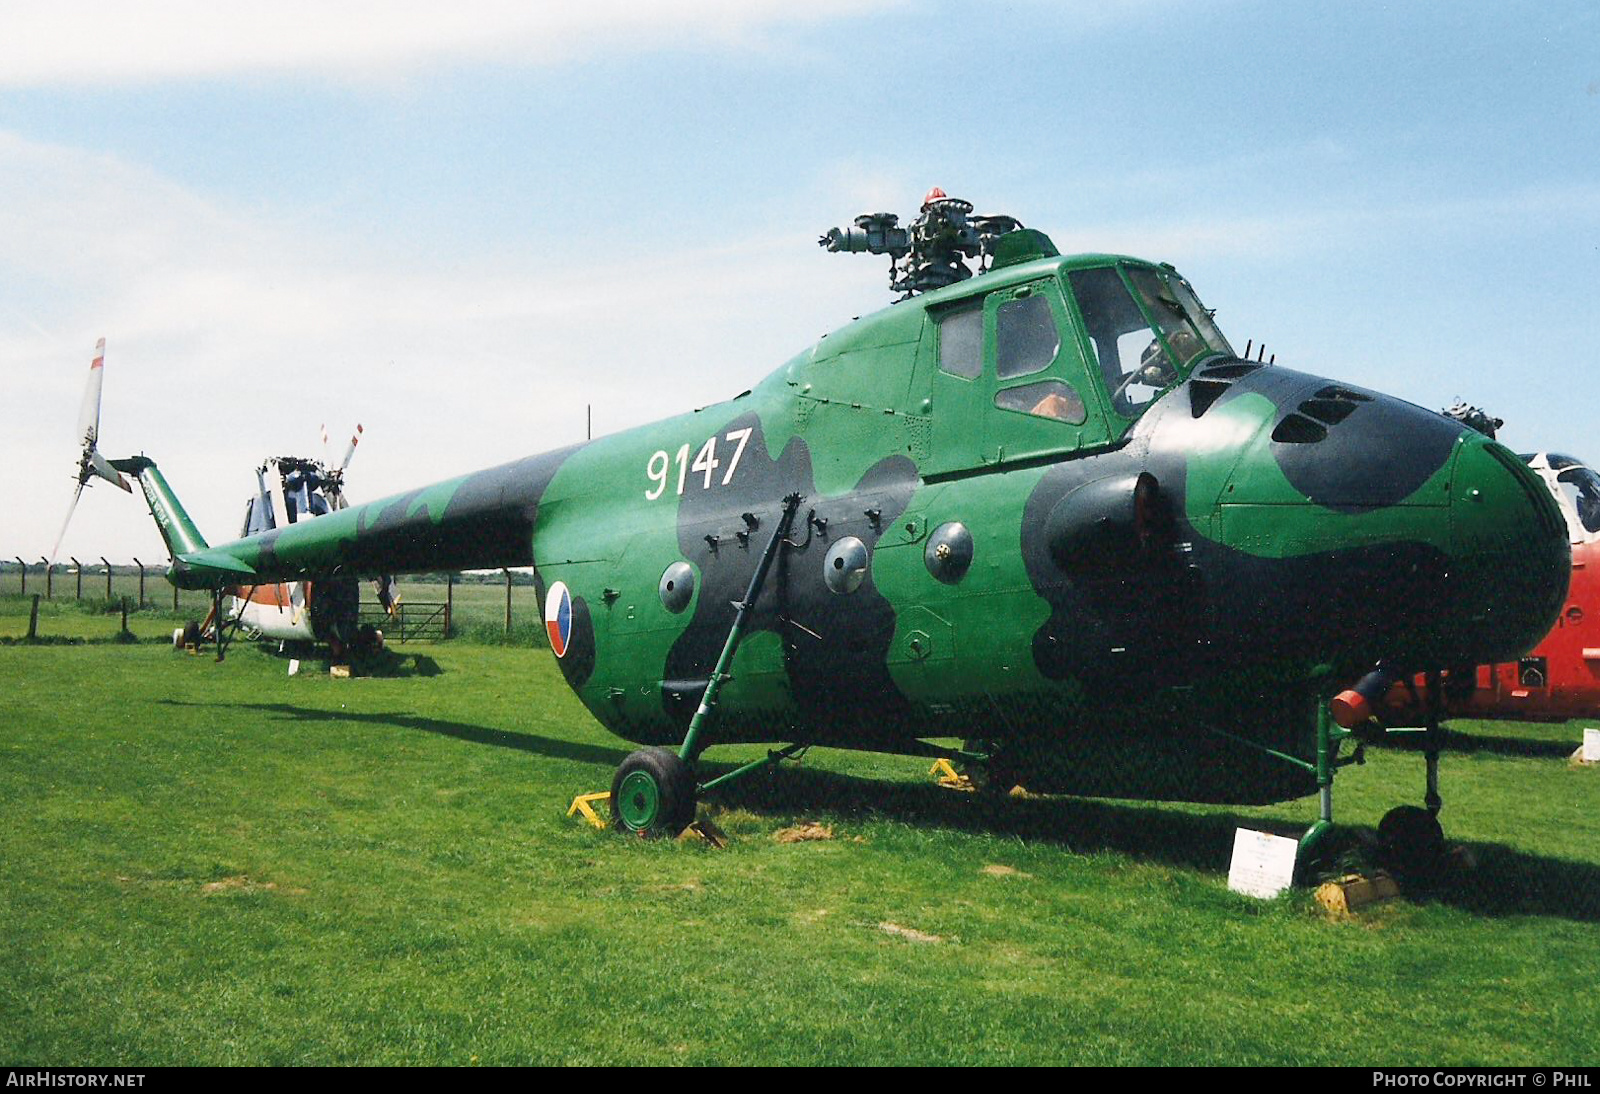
(1510, 554)
(1380, 531)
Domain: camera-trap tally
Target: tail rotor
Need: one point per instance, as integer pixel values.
(90, 463)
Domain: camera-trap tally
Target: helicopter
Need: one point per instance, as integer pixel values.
(288, 489)
(1559, 679)
(1038, 506)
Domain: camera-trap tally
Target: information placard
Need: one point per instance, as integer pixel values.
(1263, 864)
(1591, 746)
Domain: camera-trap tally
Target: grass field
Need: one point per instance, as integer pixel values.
(205, 863)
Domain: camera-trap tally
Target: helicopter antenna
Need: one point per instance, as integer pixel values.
(934, 251)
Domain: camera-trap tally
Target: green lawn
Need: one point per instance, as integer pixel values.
(205, 863)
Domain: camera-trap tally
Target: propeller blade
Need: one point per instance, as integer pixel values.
(76, 494)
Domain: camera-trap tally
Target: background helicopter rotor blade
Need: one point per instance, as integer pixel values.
(89, 411)
(76, 494)
(90, 463)
(355, 439)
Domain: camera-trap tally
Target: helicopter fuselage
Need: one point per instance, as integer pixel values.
(1046, 506)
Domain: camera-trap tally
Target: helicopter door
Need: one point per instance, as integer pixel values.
(1011, 382)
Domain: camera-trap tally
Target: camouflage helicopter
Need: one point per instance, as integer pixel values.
(1559, 678)
(1039, 506)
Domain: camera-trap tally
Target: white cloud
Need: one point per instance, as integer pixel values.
(101, 42)
(230, 340)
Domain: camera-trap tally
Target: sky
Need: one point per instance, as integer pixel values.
(460, 225)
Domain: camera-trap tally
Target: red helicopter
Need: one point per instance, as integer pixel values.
(1560, 678)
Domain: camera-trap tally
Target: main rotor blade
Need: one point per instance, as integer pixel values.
(76, 494)
(355, 439)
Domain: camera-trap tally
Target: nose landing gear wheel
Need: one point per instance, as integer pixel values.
(652, 793)
(1411, 841)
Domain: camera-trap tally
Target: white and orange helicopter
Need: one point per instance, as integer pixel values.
(289, 489)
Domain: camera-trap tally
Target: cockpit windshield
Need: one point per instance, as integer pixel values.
(1582, 489)
(1146, 330)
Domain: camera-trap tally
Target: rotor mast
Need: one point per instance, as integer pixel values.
(934, 250)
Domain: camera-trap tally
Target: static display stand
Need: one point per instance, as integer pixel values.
(1263, 864)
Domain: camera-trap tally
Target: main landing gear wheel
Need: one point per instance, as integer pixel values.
(1411, 841)
(652, 793)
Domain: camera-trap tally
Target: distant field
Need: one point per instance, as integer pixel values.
(477, 608)
(205, 863)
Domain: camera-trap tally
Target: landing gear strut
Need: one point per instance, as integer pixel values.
(654, 790)
(1410, 838)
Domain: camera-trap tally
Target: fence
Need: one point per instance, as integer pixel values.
(480, 602)
(412, 621)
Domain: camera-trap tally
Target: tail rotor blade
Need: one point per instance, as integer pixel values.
(89, 412)
(76, 494)
(90, 462)
(102, 467)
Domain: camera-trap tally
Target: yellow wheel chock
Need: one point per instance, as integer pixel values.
(949, 778)
(584, 804)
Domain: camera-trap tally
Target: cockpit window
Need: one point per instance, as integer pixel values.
(1134, 363)
(1167, 314)
(1025, 337)
(961, 342)
(1045, 399)
(1582, 488)
(1179, 320)
(1198, 315)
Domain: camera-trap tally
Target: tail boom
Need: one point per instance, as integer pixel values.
(483, 520)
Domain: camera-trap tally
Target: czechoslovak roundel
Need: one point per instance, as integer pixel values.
(558, 617)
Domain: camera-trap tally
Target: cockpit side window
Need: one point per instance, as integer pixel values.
(1582, 488)
(1132, 360)
(1045, 399)
(961, 342)
(1026, 337)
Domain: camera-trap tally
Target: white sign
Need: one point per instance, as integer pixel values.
(1263, 864)
(1591, 746)
(294, 666)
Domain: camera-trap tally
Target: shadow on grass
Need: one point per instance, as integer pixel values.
(461, 731)
(1506, 882)
(1455, 740)
(385, 664)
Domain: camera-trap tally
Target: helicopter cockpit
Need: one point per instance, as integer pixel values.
(1033, 355)
(1577, 490)
(1142, 351)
